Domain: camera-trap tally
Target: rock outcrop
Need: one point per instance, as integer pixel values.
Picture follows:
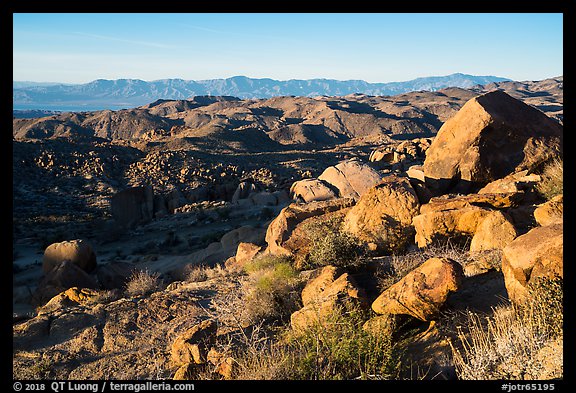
(60, 278)
(281, 228)
(423, 291)
(550, 212)
(458, 217)
(325, 295)
(491, 136)
(383, 215)
(494, 232)
(133, 206)
(192, 346)
(351, 178)
(536, 254)
(309, 190)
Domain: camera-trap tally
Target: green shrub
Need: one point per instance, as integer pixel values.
(330, 246)
(270, 291)
(336, 349)
(552, 179)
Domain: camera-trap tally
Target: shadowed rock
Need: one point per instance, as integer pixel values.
(133, 206)
(491, 136)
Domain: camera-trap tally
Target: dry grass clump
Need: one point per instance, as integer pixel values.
(204, 273)
(510, 343)
(399, 265)
(552, 183)
(143, 282)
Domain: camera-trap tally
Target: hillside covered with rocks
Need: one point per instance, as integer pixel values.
(417, 236)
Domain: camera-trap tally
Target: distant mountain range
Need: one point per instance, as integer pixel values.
(127, 93)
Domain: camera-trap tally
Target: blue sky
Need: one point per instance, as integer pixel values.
(78, 48)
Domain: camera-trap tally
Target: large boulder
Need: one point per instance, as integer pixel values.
(174, 199)
(457, 218)
(317, 286)
(454, 224)
(192, 345)
(383, 216)
(423, 291)
(494, 232)
(281, 228)
(310, 190)
(244, 254)
(536, 254)
(78, 251)
(550, 212)
(132, 206)
(351, 178)
(325, 295)
(160, 206)
(491, 136)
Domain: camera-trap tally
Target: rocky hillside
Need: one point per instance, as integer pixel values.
(406, 259)
(259, 124)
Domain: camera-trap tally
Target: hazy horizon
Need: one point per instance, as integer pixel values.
(250, 77)
(79, 48)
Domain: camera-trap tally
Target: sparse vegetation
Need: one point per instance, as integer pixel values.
(203, 273)
(397, 266)
(335, 349)
(505, 345)
(331, 246)
(142, 282)
(105, 296)
(268, 292)
(552, 183)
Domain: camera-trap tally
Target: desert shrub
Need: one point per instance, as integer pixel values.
(105, 296)
(552, 179)
(269, 292)
(197, 274)
(202, 273)
(142, 282)
(330, 246)
(335, 349)
(546, 305)
(505, 345)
